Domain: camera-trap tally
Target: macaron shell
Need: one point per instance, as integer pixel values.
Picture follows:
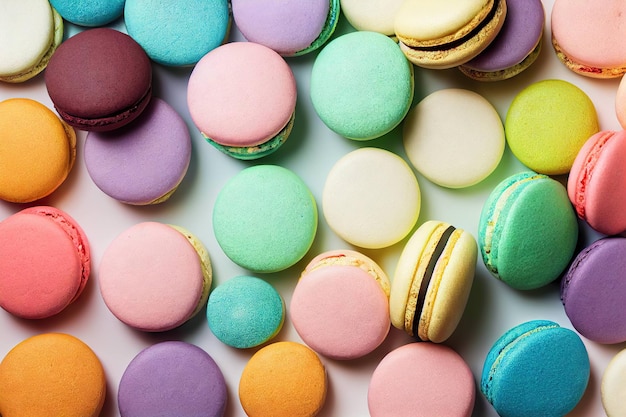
(614, 386)
(91, 13)
(372, 15)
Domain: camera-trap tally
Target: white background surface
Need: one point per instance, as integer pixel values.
(311, 151)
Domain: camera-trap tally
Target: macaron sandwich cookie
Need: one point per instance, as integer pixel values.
(444, 34)
(432, 281)
(89, 13)
(614, 386)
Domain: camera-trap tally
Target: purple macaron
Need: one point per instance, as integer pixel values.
(143, 162)
(594, 289)
(172, 379)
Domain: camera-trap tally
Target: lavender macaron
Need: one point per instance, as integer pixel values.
(172, 379)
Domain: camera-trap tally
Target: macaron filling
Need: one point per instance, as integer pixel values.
(327, 30)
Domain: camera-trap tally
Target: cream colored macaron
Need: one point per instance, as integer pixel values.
(613, 386)
(372, 15)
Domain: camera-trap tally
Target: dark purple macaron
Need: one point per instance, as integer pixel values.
(99, 79)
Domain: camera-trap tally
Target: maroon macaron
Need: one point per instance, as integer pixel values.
(99, 79)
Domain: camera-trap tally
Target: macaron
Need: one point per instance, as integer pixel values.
(527, 231)
(51, 374)
(371, 208)
(30, 30)
(89, 13)
(444, 34)
(595, 185)
(587, 36)
(593, 291)
(180, 35)
(459, 154)
(371, 15)
(37, 150)
(44, 262)
(340, 305)
(432, 281)
(516, 47)
(421, 379)
(154, 277)
(265, 218)
(361, 85)
(289, 28)
(613, 386)
(547, 123)
(245, 311)
(537, 368)
(143, 162)
(283, 379)
(242, 98)
(172, 379)
(88, 82)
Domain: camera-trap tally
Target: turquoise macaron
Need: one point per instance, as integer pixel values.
(361, 85)
(527, 232)
(537, 368)
(92, 13)
(245, 311)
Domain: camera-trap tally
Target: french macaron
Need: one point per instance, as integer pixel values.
(289, 28)
(620, 103)
(515, 48)
(593, 291)
(421, 380)
(547, 123)
(361, 85)
(536, 368)
(596, 183)
(88, 82)
(30, 30)
(527, 231)
(432, 281)
(245, 311)
(283, 379)
(172, 379)
(372, 15)
(242, 98)
(154, 277)
(89, 13)
(52, 374)
(371, 208)
(45, 262)
(444, 34)
(459, 154)
(265, 218)
(587, 36)
(180, 35)
(613, 386)
(37, 150)
(143, 162)
(340, 305)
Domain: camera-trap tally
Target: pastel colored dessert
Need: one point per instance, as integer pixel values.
(245, 312)
(620, 103)
(89, 85)
(372, 15)
(593, 46)
(613, 386)
(44, 262)
(283, 379)
(154, 277)
(527, 232)
(361, 85)
(242, 98)
(371, 208)
(30, 30)
(593, 291)
(143, 162)
(444, 34)
(421, 379)
(37, 150)
(265, 218)
(596, 192)
(185, 32)
(516, 47)
(537, 368)
(459, 154)
(89, 13)
(172, 379)
(547, 123)
(290, 28)
(51, 374)
(340, 305)
(432, 281)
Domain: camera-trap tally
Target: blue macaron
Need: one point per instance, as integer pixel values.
(90, 13)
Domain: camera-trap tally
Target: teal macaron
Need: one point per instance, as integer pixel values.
(361, 85)
(92, 13)
(537, 368)
(527, 232)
